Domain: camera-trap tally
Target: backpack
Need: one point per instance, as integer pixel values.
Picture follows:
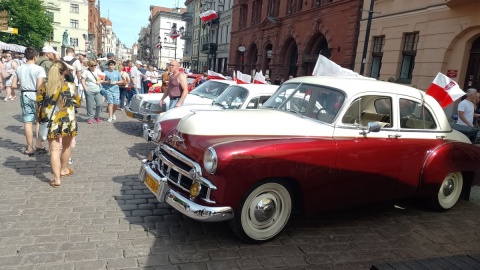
(69, 77)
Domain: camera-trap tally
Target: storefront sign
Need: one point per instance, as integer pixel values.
(452, 73)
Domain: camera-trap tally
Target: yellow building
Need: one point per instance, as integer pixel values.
(411, 41)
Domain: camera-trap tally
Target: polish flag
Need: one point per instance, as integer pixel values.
(259, 78)
(243, 78)
(444, 90)
(211, 75)
(208, 15)
(326, 67)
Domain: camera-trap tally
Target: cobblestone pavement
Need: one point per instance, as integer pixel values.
(102, 217)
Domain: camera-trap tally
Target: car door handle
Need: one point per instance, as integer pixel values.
(394, 136)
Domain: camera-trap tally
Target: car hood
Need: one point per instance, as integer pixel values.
(184, 110)
(252, 122)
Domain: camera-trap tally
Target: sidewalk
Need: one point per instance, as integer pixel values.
(102, 217)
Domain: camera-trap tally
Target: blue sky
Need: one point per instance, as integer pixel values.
(128, 16)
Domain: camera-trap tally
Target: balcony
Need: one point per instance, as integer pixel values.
(187, 16)
(186, 36)
(209, 48)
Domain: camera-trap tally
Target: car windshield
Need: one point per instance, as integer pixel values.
(314, 101)
(209, 89)
(233, 97)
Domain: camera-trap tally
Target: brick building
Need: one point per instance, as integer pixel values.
(284, 37)
(94, 38)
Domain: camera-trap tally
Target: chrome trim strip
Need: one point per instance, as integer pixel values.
(192, 164)
(182, 204)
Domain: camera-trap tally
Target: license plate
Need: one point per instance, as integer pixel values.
(129, 114)
(151, 183)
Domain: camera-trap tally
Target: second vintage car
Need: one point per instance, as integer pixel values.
(325, 143)
(241, 96)
(145, 106)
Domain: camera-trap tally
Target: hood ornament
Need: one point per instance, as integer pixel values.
(176, 139)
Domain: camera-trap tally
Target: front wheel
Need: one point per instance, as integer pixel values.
(263, 212)
(449, 192)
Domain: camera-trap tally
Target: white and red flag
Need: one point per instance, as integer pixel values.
(159, 46)
(208, 15)
(259, 78)
(243, 78)
(444, 90)
(326, 67)
(211, 75)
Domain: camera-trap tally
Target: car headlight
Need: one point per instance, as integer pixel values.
(157, 130)
(210, 160)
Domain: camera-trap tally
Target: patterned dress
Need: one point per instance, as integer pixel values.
(63, 119)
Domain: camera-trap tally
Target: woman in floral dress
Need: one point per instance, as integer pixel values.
(56, 100)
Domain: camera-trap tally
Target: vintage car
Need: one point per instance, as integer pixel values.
(325, 143)
(145, 106)
(241, 96)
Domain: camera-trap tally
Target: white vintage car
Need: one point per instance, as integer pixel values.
(241, 96)
(145, 106)
(325, 143)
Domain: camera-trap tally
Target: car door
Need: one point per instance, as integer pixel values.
(419, 132)
(368, 163)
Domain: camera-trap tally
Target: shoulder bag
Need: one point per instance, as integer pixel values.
(45, 126)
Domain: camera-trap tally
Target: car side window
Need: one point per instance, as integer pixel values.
(253, 103)
(414, 115)
(367, 109)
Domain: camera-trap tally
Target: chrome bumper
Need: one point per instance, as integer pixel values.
(179, 202)
(147, 132)
(144, 117)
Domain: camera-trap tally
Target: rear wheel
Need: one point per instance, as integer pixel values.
(449, 192)
(263, 212)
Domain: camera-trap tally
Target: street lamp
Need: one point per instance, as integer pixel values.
(180, 33)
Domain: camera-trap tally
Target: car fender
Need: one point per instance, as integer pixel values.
(447, 158)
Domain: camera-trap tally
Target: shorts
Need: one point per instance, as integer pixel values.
(28, 109)
(113, 97)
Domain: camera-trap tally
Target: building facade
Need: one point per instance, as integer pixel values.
(70, 17)
(411, 41)
(93, 41)
(285, 37)
(188, 18)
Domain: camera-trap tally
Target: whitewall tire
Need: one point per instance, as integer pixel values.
(449, 192)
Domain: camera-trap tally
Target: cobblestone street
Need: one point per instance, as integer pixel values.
(103, 217)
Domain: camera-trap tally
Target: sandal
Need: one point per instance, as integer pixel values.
(25, 152)
(70, 172)
(41, 150)
(54, 185)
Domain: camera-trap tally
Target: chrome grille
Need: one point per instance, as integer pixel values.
(172, 167)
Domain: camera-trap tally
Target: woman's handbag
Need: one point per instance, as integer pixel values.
(45, 126)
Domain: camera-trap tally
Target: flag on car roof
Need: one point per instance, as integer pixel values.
(215, 76)
(208, 15)
(243, 78)
(444, 90)
(326, 67)
(259, 78)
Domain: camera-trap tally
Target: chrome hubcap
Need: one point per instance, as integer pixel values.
(448, 187)
(264, 210)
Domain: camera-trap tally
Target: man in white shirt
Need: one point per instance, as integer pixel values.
(466, 109)
(30, 76)
(136, 79)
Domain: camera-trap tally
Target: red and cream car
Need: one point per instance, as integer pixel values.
(325, 143)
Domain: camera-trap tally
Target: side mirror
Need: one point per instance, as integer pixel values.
(371, 127)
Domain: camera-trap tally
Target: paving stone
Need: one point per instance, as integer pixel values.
(121, 263)
(12, 261)
(91, 265)
(157, 260)
(110, 254)
(78, 246)
(44, 258)
(81, 255)
(39, 248)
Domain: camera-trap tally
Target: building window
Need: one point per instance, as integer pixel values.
(272, 9)
(74, 23)
(74, 42)
(377, 54)
(74, 8)
(243, 16)
(317, 3)
(257, 12)
(294, 6)
(50, 16)
(408, 57)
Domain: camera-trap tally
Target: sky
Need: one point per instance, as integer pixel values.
(128, 16)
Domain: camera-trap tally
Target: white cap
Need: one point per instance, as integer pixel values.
(49, 49)
(138, 62)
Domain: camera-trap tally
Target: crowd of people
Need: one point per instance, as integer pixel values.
(50, 88)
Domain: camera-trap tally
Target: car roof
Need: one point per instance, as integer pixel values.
(354, 85)
(224, 81)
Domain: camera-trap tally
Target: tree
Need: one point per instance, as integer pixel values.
(31, 19)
